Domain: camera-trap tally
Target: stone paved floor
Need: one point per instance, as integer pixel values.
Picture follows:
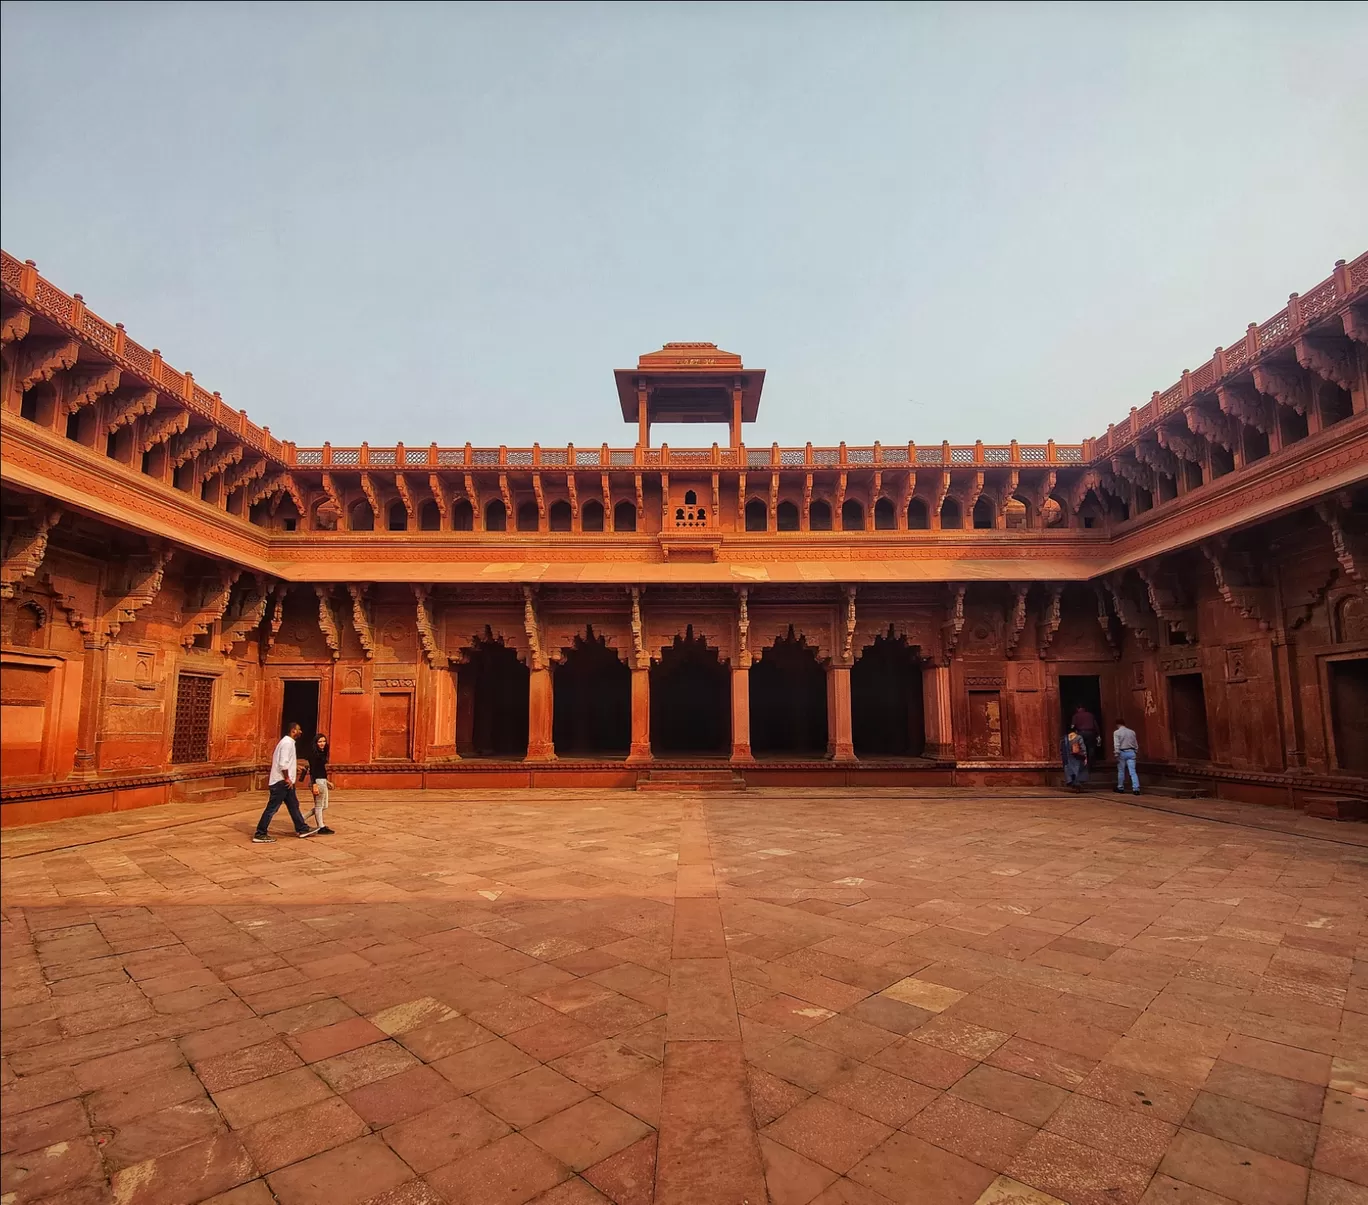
(911, 997)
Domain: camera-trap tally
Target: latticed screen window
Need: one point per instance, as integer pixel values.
(194, 700)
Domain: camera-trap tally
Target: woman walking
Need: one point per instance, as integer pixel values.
(317, 755)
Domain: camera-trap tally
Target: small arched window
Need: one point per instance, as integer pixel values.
(819, 515)
(528, 516)
(690, 498)
(429, 517)
(918, 517)
(786, 517)
(884, 519)
(398, 517)
(496, 516)
(951, 515)
(984, 515)
(591, 515)
(624, 517)
(463, 516)
(559, 516)
(757, 515)
(852, 516)
(360, 517)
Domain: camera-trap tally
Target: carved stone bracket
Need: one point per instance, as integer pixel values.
(641, 658)
(537, 652)
(125, 406)
(330, 510)
(1355, 323)
(848, 637)
(15, 326)
(1035, 493)
(220, 461)
(1349, 537)
(439, 496)
(1161, 460)
(1238, 580)
(277, 617)
(40, 359)
(1330, 359)
(82, 385)
(138, 582)
(1131, 610)
(406, 496)
(243, 475)
(1213, 425)
(954, 619)
(473, 494)
(1242, 403)
(1168, 596)
(277, 484)
(1051, 619)
(327, 621)
(427, 631)
(158, 428)
(208, 605)
(372, 499)
(191, 444)
(1182, 444)
(25, 544)
(245, 614)
(1104, 619)
(1133, 471)
(1017, 619)
(361, 619)
(1284, 384)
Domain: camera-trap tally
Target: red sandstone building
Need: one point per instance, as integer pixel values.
(177, 582)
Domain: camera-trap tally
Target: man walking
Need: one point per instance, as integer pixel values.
(284, 772)
(1075, 755)
(1125, 745)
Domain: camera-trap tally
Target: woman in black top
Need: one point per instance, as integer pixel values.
(317, 754)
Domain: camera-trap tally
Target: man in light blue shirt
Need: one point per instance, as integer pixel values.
(1126, 745)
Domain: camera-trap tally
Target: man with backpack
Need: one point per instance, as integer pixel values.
(1073, 749)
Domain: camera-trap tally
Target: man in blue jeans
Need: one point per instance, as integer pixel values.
(1125, 745)
(284, 775)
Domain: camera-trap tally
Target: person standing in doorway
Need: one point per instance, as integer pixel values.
(1075, 754)
(1086, 723)
(317, 754)
(284, 772)
(1126, 745)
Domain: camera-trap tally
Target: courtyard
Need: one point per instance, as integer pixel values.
(577, 997)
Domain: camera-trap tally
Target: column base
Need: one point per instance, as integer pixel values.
(939, 752)
(844, 753)
(640, 755)
(540, 754)
(742, 753)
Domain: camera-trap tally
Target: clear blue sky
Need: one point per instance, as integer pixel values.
(450, 223)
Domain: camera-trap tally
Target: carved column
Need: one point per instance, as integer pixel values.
(840, 743)
(940, 740)
(641, 715)
(92, 705)
(540, 711)
(740, 710)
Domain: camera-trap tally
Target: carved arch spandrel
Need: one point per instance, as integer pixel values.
(560, 635)
(506, 631)
(716, 631)
(815, 625)
(918, 631)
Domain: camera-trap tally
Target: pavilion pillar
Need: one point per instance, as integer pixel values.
(641, 715)
(540, 711)
(643, 418)
(736, 415)
(740, 712)
(940, 739)
(840, 741)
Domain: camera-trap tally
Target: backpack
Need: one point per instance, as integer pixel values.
(1076, 746)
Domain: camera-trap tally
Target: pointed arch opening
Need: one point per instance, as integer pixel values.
(559, 517)
(918, 515)
(624, 517)
(690, 700)
(496, 516)
(819, 515)
(985, 514)
(491, 700)
(788, 700)
(786, 517)
(886, 712)
(591, 515)
(529, 517)
(462, 515)
(397, 517)
(852, 515)
(951, 516)
(360, 517)
(592, 700)
(757, 515)
(429, 517)
(885, 517)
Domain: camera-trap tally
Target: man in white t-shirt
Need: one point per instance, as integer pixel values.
(284, 772)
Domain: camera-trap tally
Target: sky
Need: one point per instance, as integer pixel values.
(425, 222)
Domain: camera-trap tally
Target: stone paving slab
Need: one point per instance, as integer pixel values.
(839, 998)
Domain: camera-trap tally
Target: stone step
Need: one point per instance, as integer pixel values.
(699, 779)
(1332, 808)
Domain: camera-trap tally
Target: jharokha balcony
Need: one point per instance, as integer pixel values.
(178, 580)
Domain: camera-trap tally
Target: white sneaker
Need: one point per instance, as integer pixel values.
(308, 832)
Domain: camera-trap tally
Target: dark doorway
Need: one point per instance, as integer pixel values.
(1188, 718)
(690, 700)
(1349, 713)
(300, 707)
(491, 701)
(1083, 691)
(788, 700)
(886, 715)
(592, 696)
(757, 515)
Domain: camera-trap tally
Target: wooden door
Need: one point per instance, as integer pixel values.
(1349, 713)
(393, 721)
